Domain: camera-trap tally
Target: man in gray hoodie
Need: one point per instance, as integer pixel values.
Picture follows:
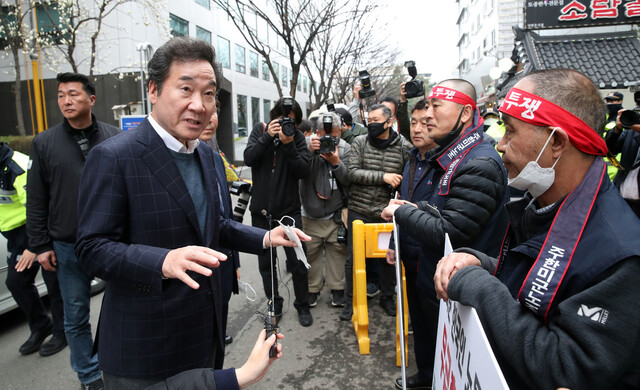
(324, 194)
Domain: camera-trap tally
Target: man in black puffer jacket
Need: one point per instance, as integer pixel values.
(465, 195)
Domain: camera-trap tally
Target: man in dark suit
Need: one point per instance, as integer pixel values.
(149, 211)
(229, 268)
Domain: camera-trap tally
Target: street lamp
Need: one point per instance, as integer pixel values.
(37, 92)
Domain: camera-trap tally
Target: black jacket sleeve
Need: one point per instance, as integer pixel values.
(257, 144)
(615, 140)
(571, 350)
(200, 378)
(38, 203)
(404, 120)
(476, 192)
(298, 155)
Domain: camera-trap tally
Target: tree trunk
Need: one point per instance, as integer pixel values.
(17, 90)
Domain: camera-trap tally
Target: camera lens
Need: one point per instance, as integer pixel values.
(288, 127)
(629, 118)
(414, 88)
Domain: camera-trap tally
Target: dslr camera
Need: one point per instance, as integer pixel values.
(414, 87)
(287, 124)
(367, 89)
(629, 118)
(327, 143)
(331, 105)
(243, 190)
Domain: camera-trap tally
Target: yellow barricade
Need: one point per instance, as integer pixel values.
(365, 245)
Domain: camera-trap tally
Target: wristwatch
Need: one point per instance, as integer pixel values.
(335, 166)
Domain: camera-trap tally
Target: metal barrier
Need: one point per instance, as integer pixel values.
(366, 244)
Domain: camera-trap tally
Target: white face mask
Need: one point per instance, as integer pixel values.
(533, 178)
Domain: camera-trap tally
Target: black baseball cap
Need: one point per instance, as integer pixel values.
(346, 117)
(614, 96)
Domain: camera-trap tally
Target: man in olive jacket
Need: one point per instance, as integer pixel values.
(375, 166)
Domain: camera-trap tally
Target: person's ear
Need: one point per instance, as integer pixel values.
(467, 114)
(153, 92)
(559, 141)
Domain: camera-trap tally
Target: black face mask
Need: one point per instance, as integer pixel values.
(614, 108)
(453, 134)
(375, 129)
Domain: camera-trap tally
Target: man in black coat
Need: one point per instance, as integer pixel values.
(466, 191)
(279, 158)
(56, 163)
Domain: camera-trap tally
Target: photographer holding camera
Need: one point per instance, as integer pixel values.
(409, 89)
(324, 194)
(278, 156)
(624, 138)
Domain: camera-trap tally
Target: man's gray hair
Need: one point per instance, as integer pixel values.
(335, 119)
(386, 111)
(181, 49)
(572, 90)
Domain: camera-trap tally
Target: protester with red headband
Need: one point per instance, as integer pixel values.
(466, 188)
(557, 305)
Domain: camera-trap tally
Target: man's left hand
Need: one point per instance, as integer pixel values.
(387, 213)
(279, 237)
(26, 260)
(447, 267)
(286, 139)
(332, 158)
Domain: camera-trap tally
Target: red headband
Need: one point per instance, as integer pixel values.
(444, 93)
(540, 112)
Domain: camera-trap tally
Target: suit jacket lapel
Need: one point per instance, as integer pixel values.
(157, 157)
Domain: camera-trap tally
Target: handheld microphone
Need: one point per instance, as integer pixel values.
(271, 322)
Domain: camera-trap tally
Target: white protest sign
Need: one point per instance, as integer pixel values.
(464, 359)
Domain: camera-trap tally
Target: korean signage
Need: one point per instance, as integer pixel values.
(464, 359)
(540, 14)
(130, 121)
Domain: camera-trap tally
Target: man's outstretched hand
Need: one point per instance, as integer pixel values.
(190, 258)
(279, 237)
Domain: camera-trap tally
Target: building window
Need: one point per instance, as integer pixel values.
(266, 107)
(242, 114)
(224, 53)
(253, 64)
(304, 83)
(241, 63)
(204, 3)
(255, 111)
(49, 22)
(178, 26)
(276, 70)
(299, 83)
(265, 71)
(284, 79)
(203, 34)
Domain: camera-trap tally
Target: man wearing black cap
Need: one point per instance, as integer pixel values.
(614, 104)
(350, 130)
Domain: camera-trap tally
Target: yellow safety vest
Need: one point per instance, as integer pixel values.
(13, 212)
(612, 171)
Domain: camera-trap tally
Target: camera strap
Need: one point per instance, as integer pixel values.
(83, 144)
(361, 107)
